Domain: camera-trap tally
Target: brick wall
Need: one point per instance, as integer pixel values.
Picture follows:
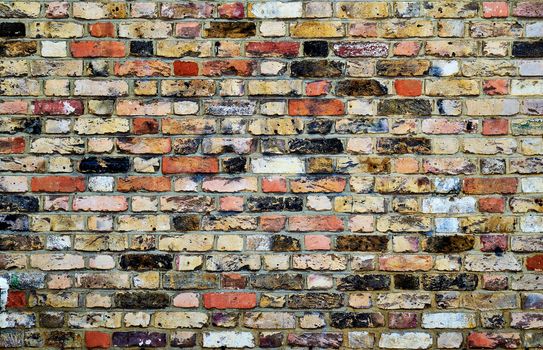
(262, 174)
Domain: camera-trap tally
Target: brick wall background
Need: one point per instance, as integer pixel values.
(263, 174)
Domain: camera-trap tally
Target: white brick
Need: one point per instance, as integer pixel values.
(53, 48)
(449, 320)
(532, 184)
(278, 165)
(228, 339)
(406, 340)
(273, 9)
(449, 205)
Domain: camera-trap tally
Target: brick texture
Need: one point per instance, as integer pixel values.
(265, 174)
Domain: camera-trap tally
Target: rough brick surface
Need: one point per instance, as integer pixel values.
(271, 174)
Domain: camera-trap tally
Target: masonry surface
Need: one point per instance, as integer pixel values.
(261, 174)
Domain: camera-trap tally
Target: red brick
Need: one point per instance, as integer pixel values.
(233, 10)
(229, 300)
(406, 48)
(65, 184)
(315, 223)
(144, 183)
(58, 107)
(408, 87)
(495, 9)
(81, 49)
(102, 30)
(496, 87)
(272, 223)
(145, 126)
(181, 165)
(97, 340)
(316, 107)
(13, 107)
(492, 205)
(273, 49)
(274, 184)
(535, 262)
(12, 145)
(231, 203)
(185, 68)
(317, 242)
(506, 185)
(495, 127)
(16, 298)
(317, 88)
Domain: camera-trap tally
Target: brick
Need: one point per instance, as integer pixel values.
(229, 300)
(179, 165)
(97, 340)
(408, 87)
(349, 168)
(487, 186)
(80, 49)
(102, 30)
(57, 184)
(315, 107)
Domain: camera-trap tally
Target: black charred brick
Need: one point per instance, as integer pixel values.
(19, 242)
(187, 222)
(316, 69)
(362, 243)
(449, 244)
(61, 339)
(282, 243)
(141, 300)
(271, 340)
(20, 203)
(141, 262)
(462, 281)
(271, 203)
(360, 87)
(319, 126)
(14, 222)
(186, 146)
(528, 48)
(316, 340)
(141, 48)
(136, 339)
(315, 146)
(12, 29)
(404, 145)
(415, 107)
(230, 29)
(344, 320)
(95, 165)
(406, 282)
(317, 48)
(234, 165)
(364, 282)
(315, 301)
(51, 319)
